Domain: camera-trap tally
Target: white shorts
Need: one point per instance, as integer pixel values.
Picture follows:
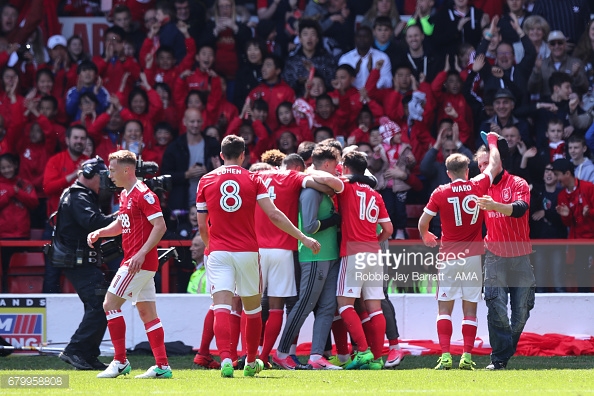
(136, 288)
(278, 272)
(360, 282)
(237, 272)
(461, 279)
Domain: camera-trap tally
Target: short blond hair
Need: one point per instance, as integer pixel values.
(457, 163)
(536, 21)
(123, 157)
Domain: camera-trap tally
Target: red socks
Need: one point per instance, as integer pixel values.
(242, 324)
(236, 320)
(207, 333)
(377, 326)
(353, 325)
(339, 331)
(156, 337)
(444, 332)
(469, 326)
(117, 331)
(271, 331)
(253, 329)
(222, 331)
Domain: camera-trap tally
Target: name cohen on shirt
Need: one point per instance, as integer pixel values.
(233, 171)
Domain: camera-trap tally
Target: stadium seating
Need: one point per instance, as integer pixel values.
(25, 273)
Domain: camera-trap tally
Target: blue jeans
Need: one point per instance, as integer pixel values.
(503, 275)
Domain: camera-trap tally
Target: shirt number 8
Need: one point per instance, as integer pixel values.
(125, 221)
(230, 199)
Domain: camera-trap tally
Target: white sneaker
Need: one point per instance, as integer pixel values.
(115, 369)
(399, 234)
(156, 372)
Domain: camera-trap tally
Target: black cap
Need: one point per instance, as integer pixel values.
(563, 165)
(504, 93)
(93, 166)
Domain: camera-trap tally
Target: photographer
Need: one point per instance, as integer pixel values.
(78, 215)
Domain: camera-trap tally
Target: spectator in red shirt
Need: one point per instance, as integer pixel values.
(228, 37)
(144, 104)
(575, 205)
(273, 90)
(158, 61)
(163, 136)
(286, 122)
(118, 71)
(12, 105)
(60, 65)
(17, 198)
(44, 85)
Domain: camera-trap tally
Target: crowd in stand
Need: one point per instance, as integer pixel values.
(177, 76)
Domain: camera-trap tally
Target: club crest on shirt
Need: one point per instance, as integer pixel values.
(506, 194)
(149, 198)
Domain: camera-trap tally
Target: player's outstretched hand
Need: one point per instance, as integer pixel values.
(312, 244)
(429, 239)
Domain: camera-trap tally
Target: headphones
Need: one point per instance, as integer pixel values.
(89, 170)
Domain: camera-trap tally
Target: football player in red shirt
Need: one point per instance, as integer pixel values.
(362, 208)
(141, 224)
(276, 249)
(229, 192)
(459, 260)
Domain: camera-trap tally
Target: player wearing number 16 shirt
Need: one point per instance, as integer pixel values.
(459, 258)
(227, 198)
(362, 210)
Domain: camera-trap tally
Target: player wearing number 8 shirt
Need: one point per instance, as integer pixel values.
(227, 197)
(459, 260)
(362, 210)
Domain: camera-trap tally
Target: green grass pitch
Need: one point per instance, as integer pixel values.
(524, 376)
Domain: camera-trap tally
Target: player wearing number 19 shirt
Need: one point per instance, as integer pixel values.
(227, 197)
(362, 210)
(459, 259)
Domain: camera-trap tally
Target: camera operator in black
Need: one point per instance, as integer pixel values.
(78, 215)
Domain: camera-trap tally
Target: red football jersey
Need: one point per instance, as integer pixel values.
(508, 236)
(361, 208)
(137, 208)
(229, 195)
(461, 218)
(283, 189)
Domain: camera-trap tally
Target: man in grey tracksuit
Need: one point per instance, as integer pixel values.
(319, 273)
